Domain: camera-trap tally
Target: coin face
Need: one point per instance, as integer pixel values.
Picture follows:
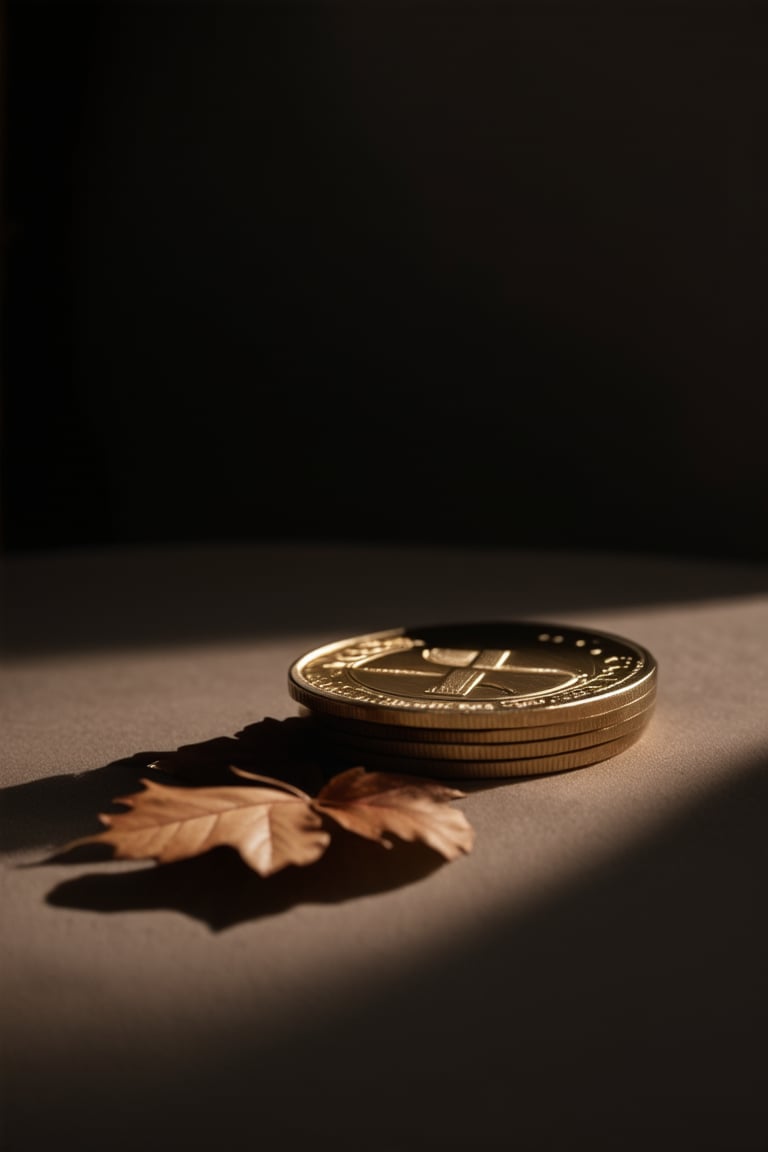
(483, 675)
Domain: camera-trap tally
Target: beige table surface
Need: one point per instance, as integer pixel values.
(592, 975)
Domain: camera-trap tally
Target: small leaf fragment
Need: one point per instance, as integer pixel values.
(269, 827)
(377, 805)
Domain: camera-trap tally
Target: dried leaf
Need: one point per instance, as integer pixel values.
(375, 804)
(269, 827)
(277, 824)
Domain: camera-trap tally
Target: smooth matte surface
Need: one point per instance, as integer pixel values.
(591, 976)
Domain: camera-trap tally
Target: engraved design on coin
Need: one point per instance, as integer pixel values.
(486, 674)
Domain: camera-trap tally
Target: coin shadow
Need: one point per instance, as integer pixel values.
(57, 809)
(217, 888)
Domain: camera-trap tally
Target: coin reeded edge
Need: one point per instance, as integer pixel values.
(516, 750)
(495, 769)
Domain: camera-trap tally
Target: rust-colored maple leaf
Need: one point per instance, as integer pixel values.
(278, 824)
(379, 804)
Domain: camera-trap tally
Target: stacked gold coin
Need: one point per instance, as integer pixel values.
(491, 699)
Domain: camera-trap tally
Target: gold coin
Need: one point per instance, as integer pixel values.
(510, 733)
(516, 750)
(487, 769)
(484, 675)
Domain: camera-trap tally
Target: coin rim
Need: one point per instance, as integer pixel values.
(501, 735)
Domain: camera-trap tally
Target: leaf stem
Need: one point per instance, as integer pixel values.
(271, 780)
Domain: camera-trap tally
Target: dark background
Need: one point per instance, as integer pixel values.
(429, 272)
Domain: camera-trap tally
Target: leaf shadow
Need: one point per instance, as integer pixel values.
(217, 888)
(221, 891)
